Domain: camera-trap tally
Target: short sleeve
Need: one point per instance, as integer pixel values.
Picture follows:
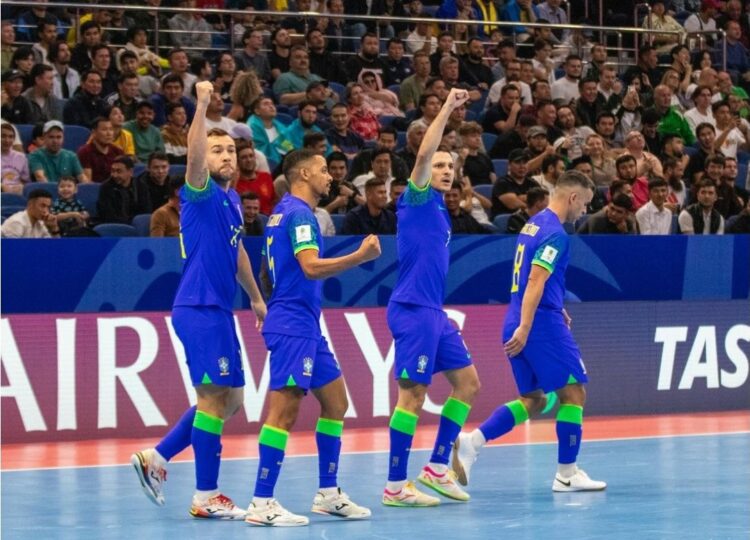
(416, 196)
(76, 165)
(303, 231)
(549, 252)
(195, 195)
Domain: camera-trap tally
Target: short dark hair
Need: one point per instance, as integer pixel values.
(294, 160)
(158, 155)
(171, 107)
(54, 50)
(133, 30)
(47, 20)
(534, 195)
(96, 48)
(624, 159)
(98, 120)
(456, 185)
(379, 151)
(174, 51)
(367, 35)
(372, 183)
(719, 104)
(337, 156)
(397, 41)
(574, 179)
(703, 125)
(172, 78)
(145, 104)
(305, 103)
(704, 183)
(125, 77)
(617, 186)
(88, 73)
(715, 159)
(387, 129)
(623, 201)
(550, 161)
(39, 194)
(402, 182)
(249, 196)
(312, 138)
(88, 25)
(656, 183)
(125, 160)
(38, 70)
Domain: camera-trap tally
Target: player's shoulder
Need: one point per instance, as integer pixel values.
(544, 226)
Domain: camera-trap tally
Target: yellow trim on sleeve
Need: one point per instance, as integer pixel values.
(419, 189)
(544, 265)
(305, 247)
(199, 190)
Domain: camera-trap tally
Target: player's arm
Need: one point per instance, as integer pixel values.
(246, 279)
(197, 171)
(422, 172)
(316, 268)
(266, 285)
(538, 276)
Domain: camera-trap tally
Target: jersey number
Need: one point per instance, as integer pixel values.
(269, 258)
(517, 263)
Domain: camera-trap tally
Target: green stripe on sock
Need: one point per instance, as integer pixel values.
(330, 427)
(456, 410)
(517, 408)
(570, 413)
(273, 437)
(206, 422)
(404, 421)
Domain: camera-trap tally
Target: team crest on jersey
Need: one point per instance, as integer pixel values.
(274, 220)
(421, 364)
(307, 366)
(223, 366)
(530, 229)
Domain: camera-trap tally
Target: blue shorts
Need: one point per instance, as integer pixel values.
(211, 345)
(426, 342)
(301, 362)
(548, 365)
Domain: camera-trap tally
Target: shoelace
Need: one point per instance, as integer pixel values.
(222, 500)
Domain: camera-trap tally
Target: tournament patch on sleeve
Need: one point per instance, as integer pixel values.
(304, 233)
(548, 254)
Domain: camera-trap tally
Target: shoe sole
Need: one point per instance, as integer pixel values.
(436, 488)
(334, 514)
(456, 465)
(264, 524)
(566, 489)
(199, 514)
(138, 465)
(397, 504)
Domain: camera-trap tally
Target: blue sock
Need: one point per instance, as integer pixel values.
(272, 443)
(452, 419)
(178, 437)
(206, 439)
(328, 439)
(402, 427)
(504, 419)
(569, 430)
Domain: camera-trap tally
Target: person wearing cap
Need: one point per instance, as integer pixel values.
(509, 192)
(51, 161)
(704, 20)
(146, 136)
(16, 109)
(121, 196)
(291, 86)
(45, 105)
(538, 147)
(324, 99)
(87, 104)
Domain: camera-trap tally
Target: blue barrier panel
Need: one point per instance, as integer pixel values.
(141, 274)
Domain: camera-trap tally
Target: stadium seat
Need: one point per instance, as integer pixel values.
(478, 106)
(400, 140)
(88, 194)
(12, 199)
(284, 118)
(488, 139)
(74, 137)
(340, 89)
(9, 210)
(501, 223)
(471, 116)
(24, 131)
(338, 222)
(49, 187)
(386, 120)
(138, 169)
(395, 88)
(142, 224)
(500, 166)
(485, 190)
(429, 11)
(115, 229)
(743, 157)
(177, 170)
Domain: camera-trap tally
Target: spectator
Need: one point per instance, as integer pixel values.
(413, 86)
(322, 62)
(278, 58)
(476, 164)
(121, 138)
(738, 57)
(706, 134)
(504, 116)
(165, 220)
(551, 11)
(203, 70)
(45, 106)
(537, 199)
(146, 136)
(703, 21)
(474, 71)
(658, 19)
(47, 35)
(730, 197)
(397, 67)
(172, 91)
(179, 65)
(16, 109)
(363, 121)
(387, 138)
(603, 166)
(612, 219)
(372, 217)
(67, 80)
(23, 61)
(445, 47)
(741, 225)
(69, 211)
(269, 134)
(381, 170)
(291, 86)
(127, 96)
(36, 221)
(398, 186)
(52, 161)
(367, 59)
(574, 131)
(553, 166)
(7, 43)
(252, 57)
(340, 136)
(214, 114)
(101, 62)
(246, 88)
(627, 169)
(674, 171)
(519, 11)
(99, 153)
(701, 217)
(514, 139)
(380, 100)
(608, 90)
(251, 180)
(513, 77)
(421, 38)
(151, 19)
(509, 192)
(732, 135)
(605, 127)
(157, 179)
(137, 43)
(702, 112)
(174, 133)
(654, 217)
(253, 226)
(566, 88)
(327, 228)
(462, 221)
(429, 107)
(15, 167)
(86, 105)
(408, 154)
(148, 85)
(122, 197)
(342, 195)
(91, 35)
(647, 163)
(190, 29)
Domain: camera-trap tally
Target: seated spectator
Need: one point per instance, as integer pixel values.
(702, 112)
(674, 171)
(251, 57)
(408, 154)
(251, 180)
(367, 59)
(372, 217)
(731, 198)
(706, 135)
(15, 167)
(50, 162)
(174, 133)
(380, 100)
(703, 20)
(476, 164)
(146, 136)
(269, 134)
(45, 106)
(659, 19)
(519, 11)
(23, 61)
(342, 195)
(602, 165)
(566, 88)
(742, 224)
(190, 29)
(245, 90)
(16, 109)
(462, 221)
(316, 141)
(537, 199)
(327, 228)
(612, 219)
(36, 221)
(509, 192)
(7, 43)
(429, 107)
(165, 220)
(363, 121)
(421, 38)
(413, 86)
(713, 171)
(137, 43)
(148, 85)
(90, 36)
(553, 166)
(647, 164)
(324, 98)
(99, 153)
(627, 169)
(101, 62)
(504, 116)
(574, 132)
(323, 63)
(387, 138)
(701, 217)
(122, 197)
(514, 139)
(69, 211)
(381, 170)
(121, 138)
(731, 134)
(646, 72)
(342, 138)
(156, 178)
(86, 105)
(29, 22)
(397, 66)
(474, 71)
(253, 226)
(398, 186)
(172, 91)
(738, 57)
(654, 217)
(305, 123)
(291, 86)
(278, 58)
(127, 96)
(215, 118)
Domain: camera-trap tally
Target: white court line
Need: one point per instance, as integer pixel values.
(364, 452)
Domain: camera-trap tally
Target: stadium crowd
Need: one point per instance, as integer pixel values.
(666, 139)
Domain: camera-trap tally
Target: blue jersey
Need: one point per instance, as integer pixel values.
(422, 237)
(210, 228)
(542, 242)
(294, 308)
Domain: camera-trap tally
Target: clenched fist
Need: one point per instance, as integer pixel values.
(203, 91)
(370, 248)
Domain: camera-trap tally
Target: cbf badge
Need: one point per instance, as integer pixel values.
(421, 364)
(223, 366)
(307, 366)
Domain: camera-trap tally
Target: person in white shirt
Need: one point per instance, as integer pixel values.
(703, 20)
(34, 222)
(701, 113)
(654, 217)
(731, 133)
(553, 166)
(566, 88)
(325, 222)
(512, 76)
(702, 217)
(421, 39)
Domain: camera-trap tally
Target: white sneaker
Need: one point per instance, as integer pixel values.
(339, 504)
(217, 507)
(463, 458)
(151, 476)
(273, 515)
(409, 495)
(580, 481)
(445, 483)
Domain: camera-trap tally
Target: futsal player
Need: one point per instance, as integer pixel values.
(210, 240)
(537, 340)
(426, 342)
(301, 360)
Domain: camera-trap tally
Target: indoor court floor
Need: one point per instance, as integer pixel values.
(675, 476)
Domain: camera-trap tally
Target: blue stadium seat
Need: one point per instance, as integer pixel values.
(88, 194)
(115, 229)
(12, 199)
(485, 190)
(74, 137)
(338, 222)
(500, 166)
(142, 224)
(429, 11)
(49, 187)
(138, 169)
(386, 120)
(282, 108)
(10, 209)
(675, 225)
(489, 140)
(741, 179)
(501, 223)
(478, 106)
(743, 157)
(284, 118)
(24, 131)
(395, 88)
(340, 89)
(471, 116)
(177, 170)
(400, 140)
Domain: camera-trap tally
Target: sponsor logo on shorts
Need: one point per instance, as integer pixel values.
(421, 364)
(307, 366)
(223, 366)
